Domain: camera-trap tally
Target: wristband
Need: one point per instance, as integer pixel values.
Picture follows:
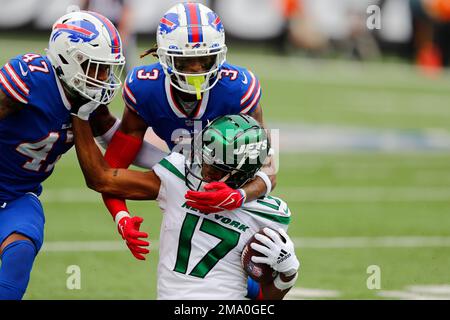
(290, 272)
(243, 194)
(253, 289)
(266, 180)
(281, 285)
(120, 215)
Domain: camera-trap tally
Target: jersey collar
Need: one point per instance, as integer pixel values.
(178, 110)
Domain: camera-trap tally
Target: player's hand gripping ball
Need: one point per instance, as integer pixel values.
(260, 272)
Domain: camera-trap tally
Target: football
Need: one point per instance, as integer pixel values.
(259, 272)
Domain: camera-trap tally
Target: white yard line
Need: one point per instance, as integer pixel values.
(301, 243)
(372, 242)
(404, 295)
(440, 290)
(420, 292)
(359, 194)
(297, 293)
(323, 72)
(327, 138)
(294, 194)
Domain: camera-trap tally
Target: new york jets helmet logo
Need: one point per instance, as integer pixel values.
(251, 150)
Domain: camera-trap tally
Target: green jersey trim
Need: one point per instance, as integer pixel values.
(169, 166)
(282, 220)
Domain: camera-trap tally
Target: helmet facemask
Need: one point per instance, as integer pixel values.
(176, 65)
(96, 80)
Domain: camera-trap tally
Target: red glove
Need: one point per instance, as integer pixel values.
(217, 197)
(129, 230)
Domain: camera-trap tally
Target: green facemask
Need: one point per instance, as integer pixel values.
(196, 81)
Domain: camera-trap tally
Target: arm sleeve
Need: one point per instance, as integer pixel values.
(15, 81)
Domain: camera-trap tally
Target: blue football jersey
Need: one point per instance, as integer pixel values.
(147, 91)
(32, 139)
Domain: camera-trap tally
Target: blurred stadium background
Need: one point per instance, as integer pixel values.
(364, 123)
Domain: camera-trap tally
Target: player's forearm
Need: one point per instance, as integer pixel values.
(258, 187)
(254, 189)
(131, 184)
(89, 156)
(101, 178)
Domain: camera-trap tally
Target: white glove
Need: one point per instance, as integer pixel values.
(84, 111)
(279, 255)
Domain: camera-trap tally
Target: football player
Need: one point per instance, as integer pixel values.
(38, 93)
(200, 253)
(190, 85)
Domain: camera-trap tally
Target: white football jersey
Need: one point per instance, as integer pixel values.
(200, 254)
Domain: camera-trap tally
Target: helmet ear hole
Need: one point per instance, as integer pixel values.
(59, 71)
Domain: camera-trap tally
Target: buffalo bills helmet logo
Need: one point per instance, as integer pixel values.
(81, 30)
(215, 22)
(169, 23)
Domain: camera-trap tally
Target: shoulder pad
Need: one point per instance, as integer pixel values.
(14, 80)
(271, 208)
(138, 84)
(19, 74)
(174, 163)
(245, 84)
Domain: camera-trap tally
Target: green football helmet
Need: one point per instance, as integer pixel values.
(236, 146)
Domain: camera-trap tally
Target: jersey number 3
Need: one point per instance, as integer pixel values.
(153, 75)
(229, 239)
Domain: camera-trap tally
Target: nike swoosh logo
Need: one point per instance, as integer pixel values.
(246, 80)
(228, 203)
(24, 73)
(131, 78)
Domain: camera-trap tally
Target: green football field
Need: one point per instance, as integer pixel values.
(353, 209)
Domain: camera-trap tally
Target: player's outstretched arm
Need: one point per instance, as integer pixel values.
(273, 247)
(128, 227)
(104, 126)
(102, 178)
(7, 106)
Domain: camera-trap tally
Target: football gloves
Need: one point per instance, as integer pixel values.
(278, 253)
(217, 197)
(129, 230)
(84, 111)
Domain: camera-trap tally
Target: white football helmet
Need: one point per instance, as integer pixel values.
(191, 31)
(86, 51)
